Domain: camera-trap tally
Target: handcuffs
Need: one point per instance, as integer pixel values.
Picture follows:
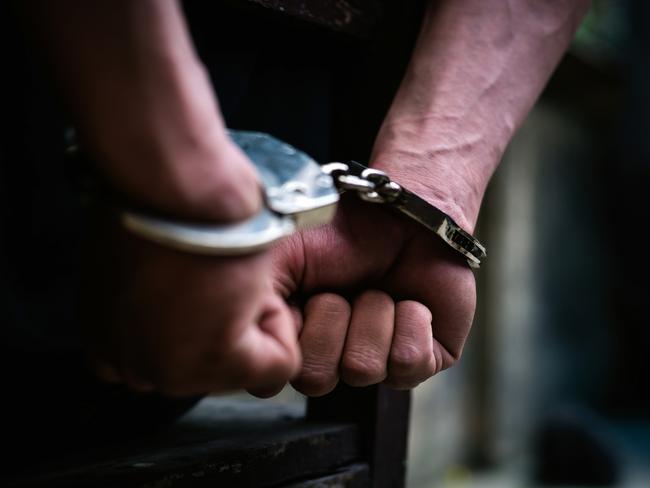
(298, 194)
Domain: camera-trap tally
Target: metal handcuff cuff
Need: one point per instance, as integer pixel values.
(298, 194)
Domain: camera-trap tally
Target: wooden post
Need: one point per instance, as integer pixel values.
(382, 416)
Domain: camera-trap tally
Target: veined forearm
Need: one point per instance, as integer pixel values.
(477, 69)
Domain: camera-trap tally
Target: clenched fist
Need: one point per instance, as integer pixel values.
(381, 300)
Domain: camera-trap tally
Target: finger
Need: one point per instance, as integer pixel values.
(453, 312)
(321, 341)
(446, 286)
(277, 323)
(367, 345)
(411, 359)
(262, 359)
(274, 356)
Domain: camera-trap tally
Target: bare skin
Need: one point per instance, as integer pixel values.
(395, 309)
(368, 317)
(391, 302)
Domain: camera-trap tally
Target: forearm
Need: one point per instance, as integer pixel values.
(142, 101)
(477, 69)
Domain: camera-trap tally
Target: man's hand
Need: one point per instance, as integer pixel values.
(384, 300)
(182, 324)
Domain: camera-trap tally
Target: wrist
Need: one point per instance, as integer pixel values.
(450, 174)
(205, 178)
(171, 152)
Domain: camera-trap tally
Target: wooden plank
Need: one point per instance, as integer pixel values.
(220, 443)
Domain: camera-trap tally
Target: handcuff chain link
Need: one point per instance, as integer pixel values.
(376, 186)
(371, 185)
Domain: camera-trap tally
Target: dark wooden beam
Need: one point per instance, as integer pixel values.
(220, 443)
(382, 416)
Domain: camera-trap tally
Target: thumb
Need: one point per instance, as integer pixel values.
(274, 355)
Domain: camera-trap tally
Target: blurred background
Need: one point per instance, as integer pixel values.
(553, 386)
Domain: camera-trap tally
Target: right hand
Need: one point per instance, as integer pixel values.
(184, 324)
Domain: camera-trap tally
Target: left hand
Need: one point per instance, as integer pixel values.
(383, 300)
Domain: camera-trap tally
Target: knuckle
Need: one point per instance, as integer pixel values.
(362, 369)
(328, 304)
(413, 312)
(377, 298)
(329, 300)
(316, 382)
(410, 366)
(409, 356)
